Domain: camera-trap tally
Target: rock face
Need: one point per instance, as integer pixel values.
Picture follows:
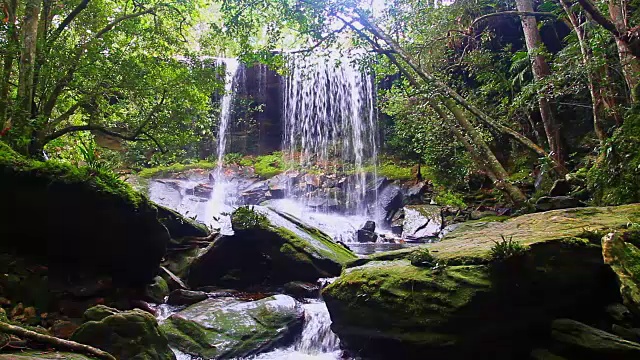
(421, 221)
(582, 341)
(621, 253)
(80, 220)
(226, 328)
(268, 248)
(470, 305)
(547, 203)
(130, 334)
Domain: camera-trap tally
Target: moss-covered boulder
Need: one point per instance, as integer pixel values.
(132, 334)
(268, 249)
(579, 341)
(226, 328)
(620, 251)
(179, 226)
(470, 304)
(78, 219)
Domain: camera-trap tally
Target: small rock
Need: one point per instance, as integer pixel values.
(186, 297)
(547, 203)
(63, 329)
(369, 226)
(364, 236)
(157, 291)
(302, 289)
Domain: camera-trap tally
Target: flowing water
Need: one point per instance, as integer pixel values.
(330, 121)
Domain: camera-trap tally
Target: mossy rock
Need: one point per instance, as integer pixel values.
(78, 219)
(226, 328)
(42, 355)
(623, 256)
(268, 249)
(157, 290)
(179, 226)
(469, 305)
(132, 334)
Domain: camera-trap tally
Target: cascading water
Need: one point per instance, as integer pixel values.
(221, 187)
(330, 122)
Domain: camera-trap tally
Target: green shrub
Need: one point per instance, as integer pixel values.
(232, 158)
(160, 171)
(506, 248)
(246, 217)
(449, 198)
(267, 166)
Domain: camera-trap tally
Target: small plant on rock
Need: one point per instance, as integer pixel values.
(246, 217)
(506, 248)
(422, 258)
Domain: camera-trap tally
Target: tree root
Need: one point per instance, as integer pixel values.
(54, 341)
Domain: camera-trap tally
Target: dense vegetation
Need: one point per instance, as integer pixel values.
(507, 91)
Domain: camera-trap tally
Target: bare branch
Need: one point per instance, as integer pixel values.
(63, 25)
(598, 17)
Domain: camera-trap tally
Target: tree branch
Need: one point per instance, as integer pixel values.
(598, 17)
(322, 40)
(63, 25)
(54, 341)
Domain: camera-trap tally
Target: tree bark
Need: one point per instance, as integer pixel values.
(593, 79)
(9, 54)
(630, 63)
(540, 70)
(27, 60)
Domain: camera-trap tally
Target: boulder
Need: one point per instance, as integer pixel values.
(132, 334)
(547, 203)
(186, 297)
(421, 222)
(157, 291)
(81, 220)
(364, 236)
(369, 225)
(179, 226)
(585, 342)
(268, 248)
(390, 200)
(301, 289)
(620, 252)
(472, 302)
(226, 328)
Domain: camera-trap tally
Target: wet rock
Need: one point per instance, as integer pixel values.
(226, 328)
(268, 248)
(421, 222)
(486, 303)
(397, 222)
(203, 190)
(157, 291)
(390, 198)
(585, 342)
(301, 289)
(172, 280)
(364, 236)
(619, 313)
(186, 297)
(560, 187)
(547, 203)
(623, 257)
(369, 226)
(132, 334)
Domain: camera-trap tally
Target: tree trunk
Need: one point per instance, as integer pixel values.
(541, 70)
(27, 60)
(593, 79)
(8, 56)
(630, 63)
(501, 176)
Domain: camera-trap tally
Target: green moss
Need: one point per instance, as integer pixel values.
(102, 181)
(162, 171)
(267, 166)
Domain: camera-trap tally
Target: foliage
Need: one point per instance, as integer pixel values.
(449, 198)
(267, 166)
(506, 248)
(615, 177)
(233, 158)
(246, 217)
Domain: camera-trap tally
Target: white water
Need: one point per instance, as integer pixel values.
(222, 188)
(330, 121)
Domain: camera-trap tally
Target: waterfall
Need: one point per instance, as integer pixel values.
(330, 121)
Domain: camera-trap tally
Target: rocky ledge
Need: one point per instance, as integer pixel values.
(487, 290)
